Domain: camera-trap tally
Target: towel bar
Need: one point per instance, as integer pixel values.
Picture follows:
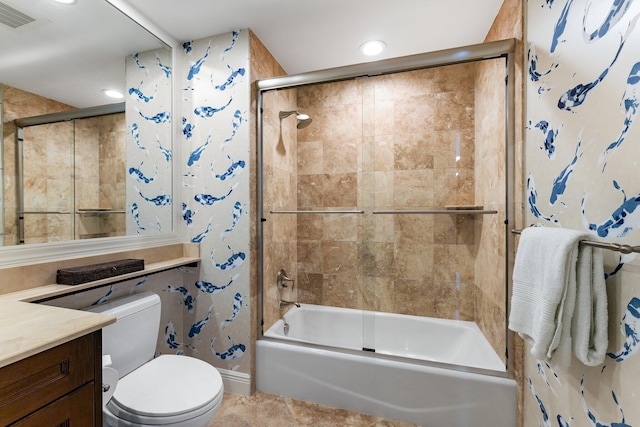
(625, 249)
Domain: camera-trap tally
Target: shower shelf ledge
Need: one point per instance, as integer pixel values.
(43, 212)
(319, 212)
(99, 211)
(448, 211)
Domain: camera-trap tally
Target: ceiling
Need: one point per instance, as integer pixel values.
(57, 55)
(306, 35)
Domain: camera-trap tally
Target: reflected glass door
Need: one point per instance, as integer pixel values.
(45, 205)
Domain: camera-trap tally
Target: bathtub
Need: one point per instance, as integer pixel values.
(430, 391)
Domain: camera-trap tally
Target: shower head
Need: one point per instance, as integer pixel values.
(303, 119)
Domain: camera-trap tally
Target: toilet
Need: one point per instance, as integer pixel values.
(140, 390)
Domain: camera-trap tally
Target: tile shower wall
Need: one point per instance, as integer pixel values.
(388, 142)
(581, 169)
(490, 177)
(490, 173)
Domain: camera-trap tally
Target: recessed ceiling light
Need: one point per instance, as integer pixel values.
(373, 47)
(65, 1)
(113, 93)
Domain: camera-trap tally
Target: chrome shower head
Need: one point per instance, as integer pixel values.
(303, 119)
(303, 122)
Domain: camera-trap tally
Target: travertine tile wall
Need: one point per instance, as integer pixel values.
(508, 24)
(388, 142)
(490, 250)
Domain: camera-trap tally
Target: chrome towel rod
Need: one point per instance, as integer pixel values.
(625, 249)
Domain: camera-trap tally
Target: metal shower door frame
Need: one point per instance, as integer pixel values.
(490, 50)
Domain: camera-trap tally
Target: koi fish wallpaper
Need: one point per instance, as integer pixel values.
(148, 105)
(213, 86)
(582, 172)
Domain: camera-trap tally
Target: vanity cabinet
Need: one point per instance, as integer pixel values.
(56, 387)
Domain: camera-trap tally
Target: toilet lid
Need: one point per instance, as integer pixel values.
(168, 386)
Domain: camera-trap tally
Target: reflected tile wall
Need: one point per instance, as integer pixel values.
(100, 175)
(18, 104)
(48, 187)
(388, 142)
(99, 171)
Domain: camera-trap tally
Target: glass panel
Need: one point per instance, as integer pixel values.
(427, 164)
(279, 188)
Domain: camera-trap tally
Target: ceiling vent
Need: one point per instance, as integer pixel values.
(13, 18)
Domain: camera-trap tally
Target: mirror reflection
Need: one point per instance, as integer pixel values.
(76, 164)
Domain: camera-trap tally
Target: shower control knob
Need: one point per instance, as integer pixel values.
(282, 279)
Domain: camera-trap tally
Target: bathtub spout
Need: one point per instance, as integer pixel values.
(284, 303)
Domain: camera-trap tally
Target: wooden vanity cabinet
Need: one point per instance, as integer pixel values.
(57, 387)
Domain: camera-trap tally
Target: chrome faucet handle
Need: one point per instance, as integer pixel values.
(282, 279)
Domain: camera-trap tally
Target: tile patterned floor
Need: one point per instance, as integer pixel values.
(269, 410)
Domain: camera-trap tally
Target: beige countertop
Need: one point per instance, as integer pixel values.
(27, 329)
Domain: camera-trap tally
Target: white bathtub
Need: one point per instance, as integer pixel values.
(365, 382)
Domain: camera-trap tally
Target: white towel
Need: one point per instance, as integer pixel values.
(545, 285)
(590, 319)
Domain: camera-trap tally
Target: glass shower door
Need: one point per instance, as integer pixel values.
(435, 193)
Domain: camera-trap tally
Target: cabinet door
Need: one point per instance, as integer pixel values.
(73, 410)
(33, 383)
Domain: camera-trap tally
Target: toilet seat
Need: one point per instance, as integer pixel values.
(168, 389)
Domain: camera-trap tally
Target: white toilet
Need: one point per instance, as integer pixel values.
(169, 390)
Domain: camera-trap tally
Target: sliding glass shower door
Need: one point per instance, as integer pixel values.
(393, 201)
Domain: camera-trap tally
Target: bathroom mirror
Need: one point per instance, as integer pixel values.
(56, 61)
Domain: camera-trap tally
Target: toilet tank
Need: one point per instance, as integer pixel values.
(131, 340)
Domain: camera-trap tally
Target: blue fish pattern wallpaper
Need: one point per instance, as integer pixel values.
(214, 140)
(582, 171)
(148, 102)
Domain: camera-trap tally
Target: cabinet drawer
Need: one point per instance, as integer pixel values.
(75, 409)
(32, 383)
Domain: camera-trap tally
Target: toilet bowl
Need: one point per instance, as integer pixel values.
(139, 390)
